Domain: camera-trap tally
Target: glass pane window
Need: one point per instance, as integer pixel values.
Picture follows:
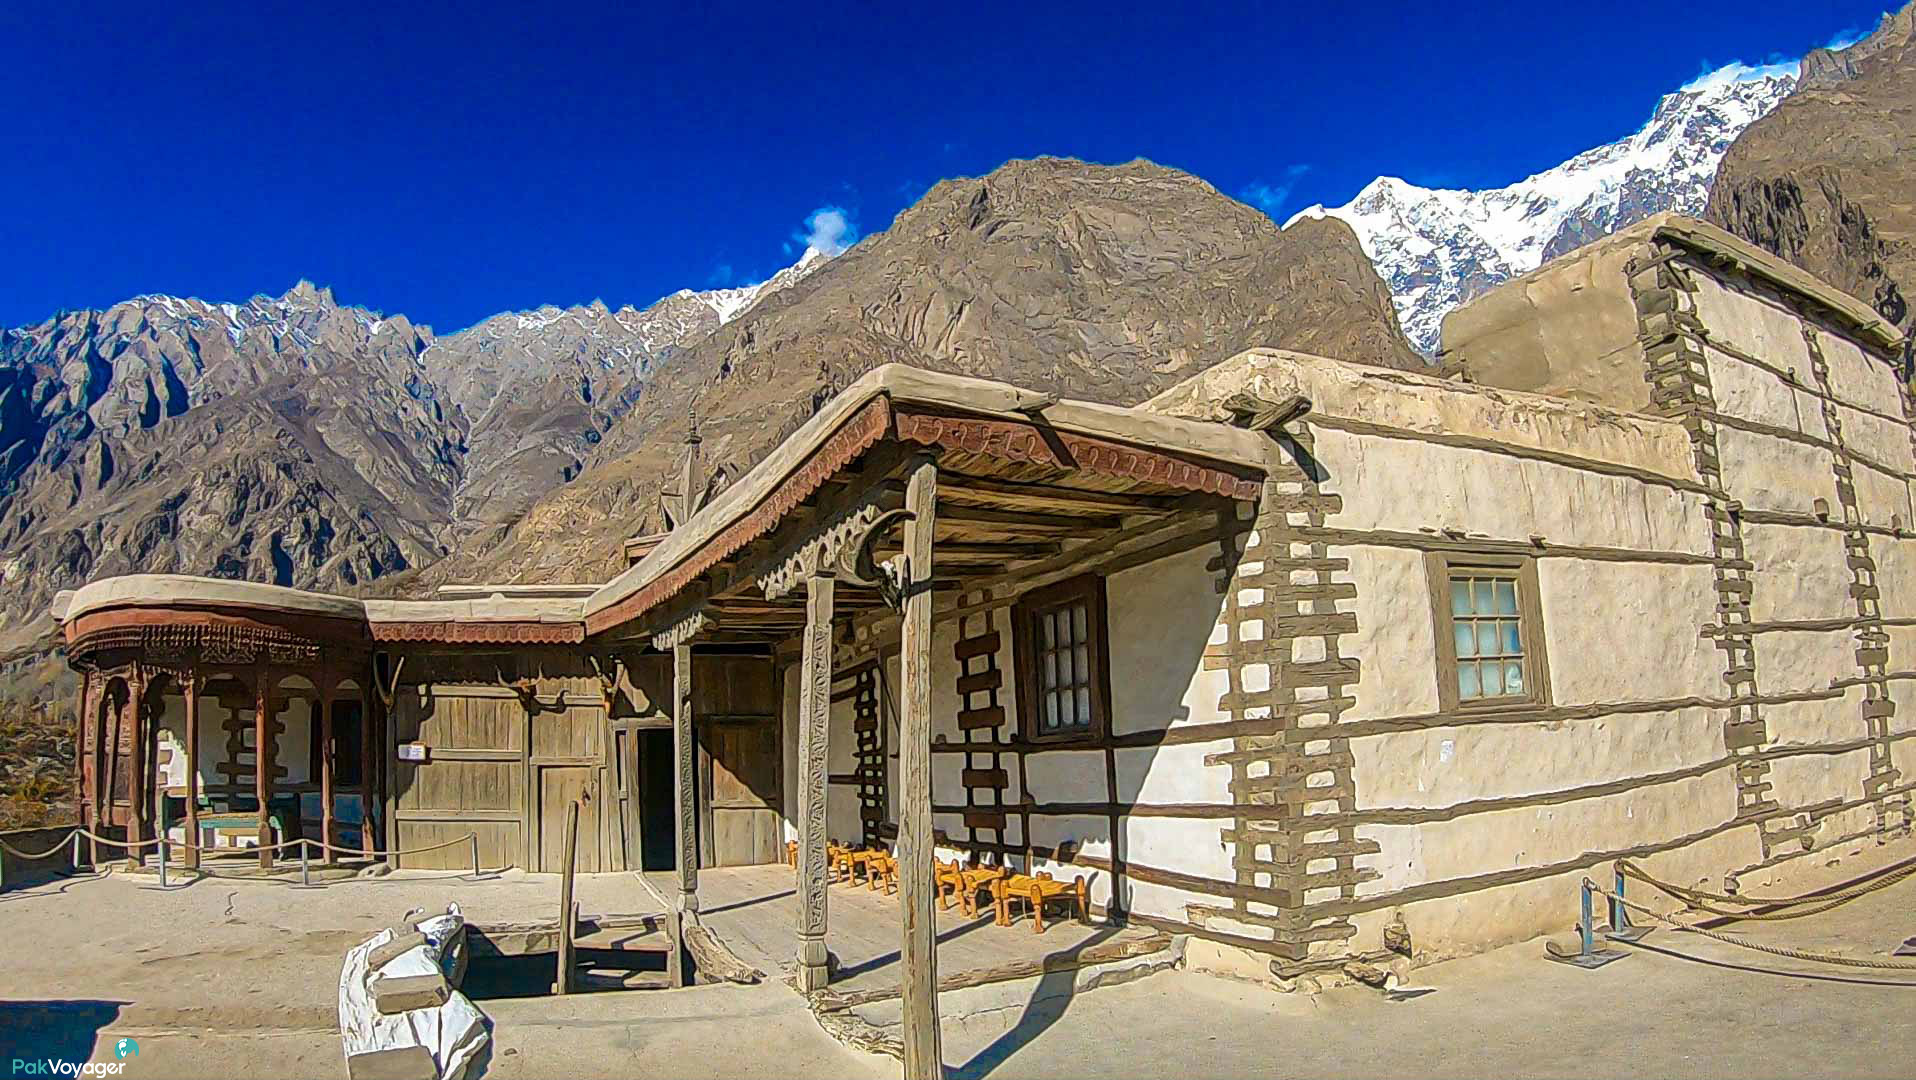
(1061, 647)
(1489, 636)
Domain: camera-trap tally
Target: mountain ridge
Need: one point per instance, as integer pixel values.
(1439, 247)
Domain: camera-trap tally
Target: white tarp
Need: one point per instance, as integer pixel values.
(453, 1033)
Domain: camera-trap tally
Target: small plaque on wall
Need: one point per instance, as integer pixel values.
(414, 752)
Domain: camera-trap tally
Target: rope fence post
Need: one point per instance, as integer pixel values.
(1587, 955)
(162, 839)
(1621, 929)
(475, 855)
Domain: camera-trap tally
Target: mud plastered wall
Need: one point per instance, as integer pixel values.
(1813, 438)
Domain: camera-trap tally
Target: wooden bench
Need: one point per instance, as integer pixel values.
(1035, 891)
(881, 868)
(956, 880)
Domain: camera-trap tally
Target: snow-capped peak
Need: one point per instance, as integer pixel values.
(729, 304)
(1438, 247)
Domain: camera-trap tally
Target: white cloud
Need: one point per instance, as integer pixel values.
(830, 230)
(1268, 196)
(1737, 71)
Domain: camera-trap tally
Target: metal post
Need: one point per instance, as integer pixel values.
(1584, 929)
(1587, 954)
(474, 837)
(305, 869)
(76, 849)
(162, 860)
(1620, 927)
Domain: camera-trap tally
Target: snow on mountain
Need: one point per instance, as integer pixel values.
(729, 304)
(1437, 248)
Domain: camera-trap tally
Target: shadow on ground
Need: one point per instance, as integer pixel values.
(56, 1030)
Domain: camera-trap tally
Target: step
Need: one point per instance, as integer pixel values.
(626, 932)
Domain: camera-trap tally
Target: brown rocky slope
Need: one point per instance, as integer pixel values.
(1828, 179)
(1100, 282)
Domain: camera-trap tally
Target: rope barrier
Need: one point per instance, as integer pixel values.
(219, 851)
(1745, 943)
(1799, 906)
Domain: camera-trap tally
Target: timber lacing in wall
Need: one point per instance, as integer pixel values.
(868, 734)
(981, 718)
(1284, 662)
(1680, 387)
(1872, 640)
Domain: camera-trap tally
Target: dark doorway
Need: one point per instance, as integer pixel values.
(656, 803)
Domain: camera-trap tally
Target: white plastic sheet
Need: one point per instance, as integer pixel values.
(453, 1033)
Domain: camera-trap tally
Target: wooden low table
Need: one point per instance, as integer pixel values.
(1034, 891)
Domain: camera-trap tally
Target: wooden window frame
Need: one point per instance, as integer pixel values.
(1088, 588)
(1438, 567)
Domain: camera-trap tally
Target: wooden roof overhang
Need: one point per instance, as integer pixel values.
(1018, 500)
(172, 634)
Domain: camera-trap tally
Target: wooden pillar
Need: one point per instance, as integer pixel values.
(919, 949)
(138, 791)
(685, 813)
(92, 688)
(191, 686)
(814, 728)
(371, 734)
(265, 753)
(328, 685)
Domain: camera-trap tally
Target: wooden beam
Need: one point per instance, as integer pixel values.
(814, 732)
(191, 686)
(138, 790)
(568, 923)
(919, 949)
(1046, 498)
(682, 781)
(1154, 537)
(953, 517)
(327, 687)
(366, 757)
(265, 756)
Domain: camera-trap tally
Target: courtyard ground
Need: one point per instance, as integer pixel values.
(238, 978)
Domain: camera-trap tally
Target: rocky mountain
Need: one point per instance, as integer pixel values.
(1825, 180)
(1107, 283)
(298, 441)
(1437, 248)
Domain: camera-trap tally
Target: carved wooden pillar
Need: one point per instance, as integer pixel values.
(814, 730)
(265, 753)
(190, 685)
(919, 949)
(139, 793)
(685, 813)
(327, 687)
(95, 729)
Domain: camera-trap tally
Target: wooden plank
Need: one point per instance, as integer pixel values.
(919, 948)
(978, 646)
(972, 719)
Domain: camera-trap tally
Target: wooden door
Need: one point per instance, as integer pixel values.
(624, 797)
(472, 781)
(567, 757)
(559, 786)
(743, 758)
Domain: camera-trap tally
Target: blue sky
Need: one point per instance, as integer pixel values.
(454, 161)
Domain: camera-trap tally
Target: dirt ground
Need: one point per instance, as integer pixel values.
(238, 978)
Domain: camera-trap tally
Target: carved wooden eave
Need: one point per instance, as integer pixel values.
(480, 632)
(681, 631)
(841, 548)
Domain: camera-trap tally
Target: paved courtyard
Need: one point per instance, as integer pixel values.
(237, 978)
